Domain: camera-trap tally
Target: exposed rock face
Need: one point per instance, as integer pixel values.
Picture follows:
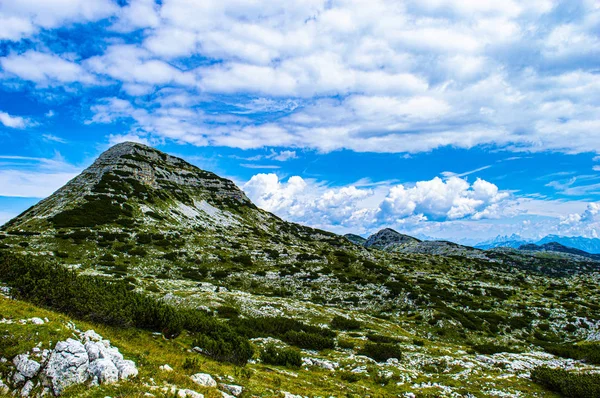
(387, 237)
(72, 362)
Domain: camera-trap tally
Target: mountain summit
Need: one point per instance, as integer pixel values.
(133, 184)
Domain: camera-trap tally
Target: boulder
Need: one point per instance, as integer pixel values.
(68, 365)
(204, 379)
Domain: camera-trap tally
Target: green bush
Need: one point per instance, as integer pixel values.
(281, 356)
(381, 352)
(589, 352)
(290, 330)
(309, 341)
(114, 303)
(347, 344)
(378, 338)
(343, 323)
(350, 377)
(568, 384)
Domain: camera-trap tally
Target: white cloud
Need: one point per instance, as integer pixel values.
(436, 199)
(283, 156)
(22, 176)
(31, 184)
(45, 69)
(391, 77)
(15, 122)
(23, 18)
(129, 64)
(359, 209)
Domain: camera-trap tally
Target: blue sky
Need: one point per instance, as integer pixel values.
(442, 118)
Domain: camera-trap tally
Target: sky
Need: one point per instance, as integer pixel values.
(449, 119)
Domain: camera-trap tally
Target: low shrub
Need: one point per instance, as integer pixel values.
(343, 323)
(491, 348)
(290, 330)
(378, 338)
(589, 352)
(309, 341)
(568, 384)
(350, 377)
(346, 344)
(381, 352)
(281, 356)
(112, 302)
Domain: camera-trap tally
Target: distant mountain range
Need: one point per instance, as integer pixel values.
(589, 245)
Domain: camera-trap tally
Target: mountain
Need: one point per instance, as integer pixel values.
(206, 293)
(558, 248)
(590, 245)
(357, 239)
(514, 241)
(386, 238)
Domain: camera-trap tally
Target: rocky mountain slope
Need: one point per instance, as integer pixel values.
(320, 313)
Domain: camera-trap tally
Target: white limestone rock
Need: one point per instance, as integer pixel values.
(68, 365)
(234, 390)
(187, 393)
(165, 368)
(104, 371)
(204, 379)
(26, 368)
(126, 368)
(27, 388)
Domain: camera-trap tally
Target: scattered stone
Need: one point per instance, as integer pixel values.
(27, 388)
(232, 389)
(37, 321)
(165, 368)
(204, 379)
(189, 393)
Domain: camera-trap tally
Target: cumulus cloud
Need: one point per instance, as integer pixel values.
(359, 209)
(436, 199)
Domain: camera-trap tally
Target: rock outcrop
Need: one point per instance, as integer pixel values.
(88, 360)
